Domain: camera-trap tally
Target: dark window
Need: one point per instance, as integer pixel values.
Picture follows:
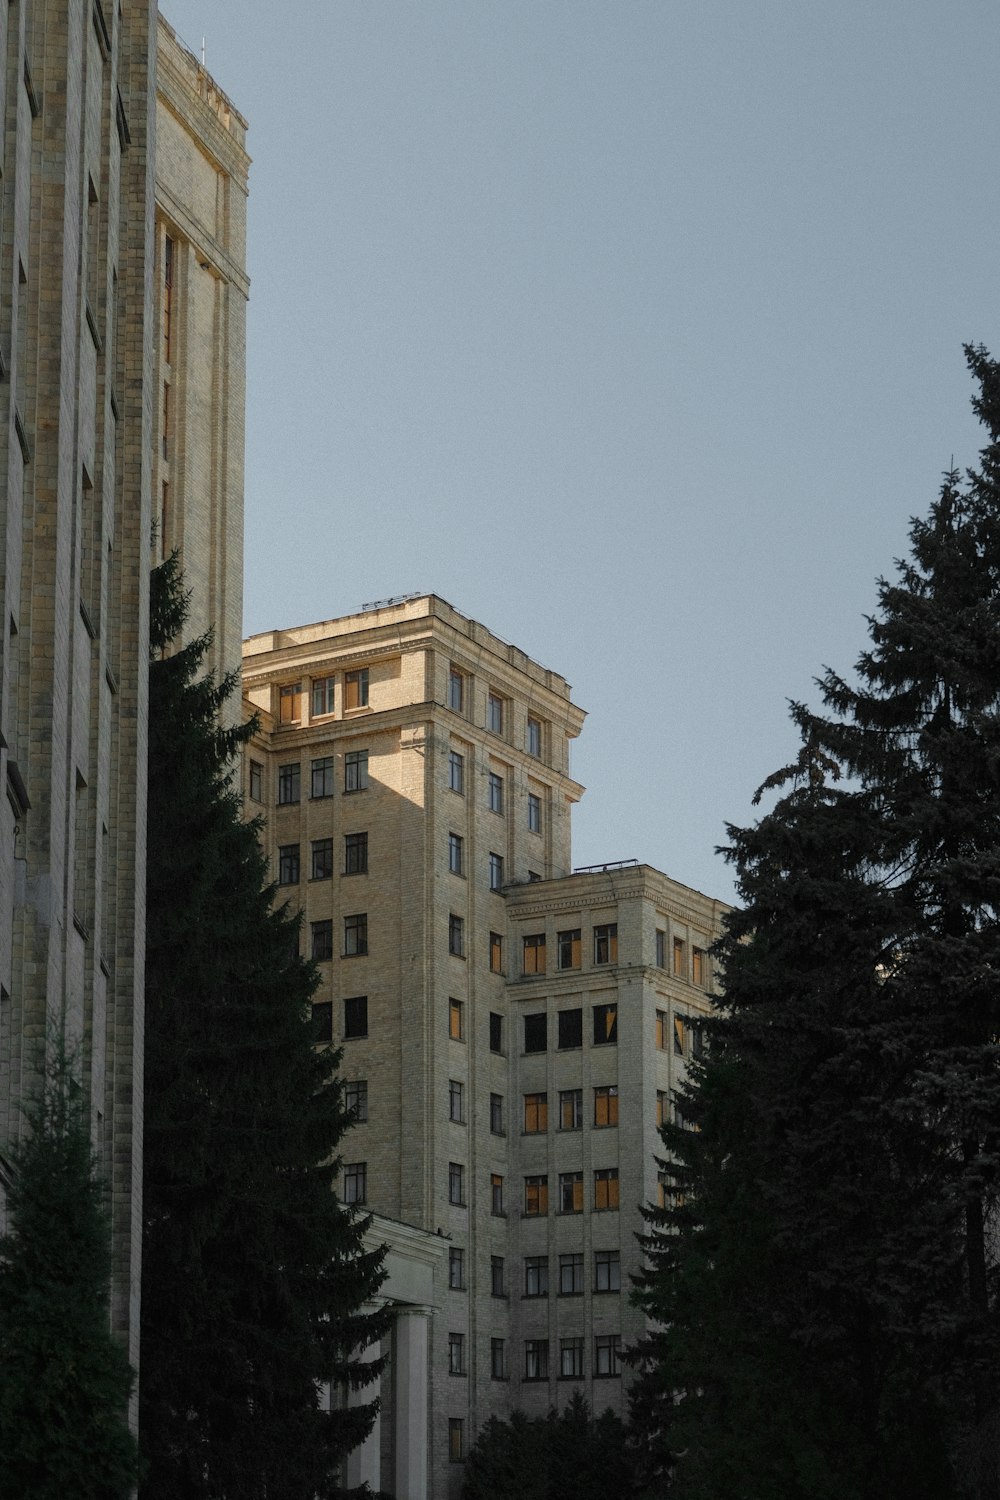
(571, 1109)
(498, 1359)
(456, 772)
(536, 1359)
(606, 944)
(606, 1354)
(571, 1359)
(607, 1271)
(356, 1182)
(456, 1354)
(322, 940)
(535, 1032)
(356, 1015)
(570, 1028)
(456, 685)
(534, 736)
(495, 785)
(322, 777)
(322, 859)
(496, 1276)
(355, 853)
(571, 1192)
(322, 696)
(356, 935)
(356, 1100)
(456, 1269)
(256, 781)
(288, 782)
(288, 864)
(494, 713)
(571, 1275)
(496, 872)
(456, 1183)
(568, 948)
(455, 842)
(456, 1439)
(496, 1032)
(496, 1114)
(356, 688)
(456, 1102)
(496, 1194)
(536, 1276)
(534, 813)
(322, 1021)
(661, 949)
(605, 1024)
(456, 936)
(355, 770)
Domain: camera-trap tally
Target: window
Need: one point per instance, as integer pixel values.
(571, 1192)
(606, 944)
(456, 772)
(536, 1114)
(356, 935)
(456, 1269)
(606, 1105)
(356, 1100)
(288, 782)
(322, 859)
(494, 713)
(356, 688)
(456, 1354)
(496, 1114)
(661, 949)
(536, 1359)
(571, 1275)
(533, 875)
(355, 853)
(322, 777)
(356, 1016)
(571, 1028)
(456, 1440)
(662, 1108)
(455, 842)
(498, 1359)
(678, 955)
(571, 1359)
(455, 1101)
(495, 792)
(496, 953)
(256, 781)
(456, 935)
(534, 953)
(496, 872)
(678, 1031)
(607, 1271)
(536, 1196)
(355, 770)
(496, 1195)
(322, 696)
(456, 1183)
(290, 703)
(534, 736)
(605, 1025)
(570, 1109)
(534, 813)
(661, 1030)
(697, 1036)
(456, 690)
(356, 1182)
(697, 966)
(605, 1188)
(496, 1276)
(168, 288)
(456, 1020)
(536, 1276)
(496, 1032)
(606, 1354)
(662, 1189)
(568, 949)
(322, 941)
(288, 864)
(322, 1021)
(535, 1032)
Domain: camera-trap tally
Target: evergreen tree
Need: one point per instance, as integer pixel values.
(565, 1456)
(823, 1271)
(64, 1380)
(254, 1276)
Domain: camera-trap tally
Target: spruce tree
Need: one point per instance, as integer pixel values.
(64, 1380)
(255, 1280)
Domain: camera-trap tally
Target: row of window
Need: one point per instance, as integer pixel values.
(355, 937)
(536, 1108)
(498, 713)
(569, 948)
(536, 1192)
(607, 1273)
(570, 1027)
(322, 777)
(456, 861)
(291, 696)
(496, 793)
(607, 1358)
(355, 860)
(699, 968)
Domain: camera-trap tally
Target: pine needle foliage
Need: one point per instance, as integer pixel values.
(569, 1455)
(255, 1279)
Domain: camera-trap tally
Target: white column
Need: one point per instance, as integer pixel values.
(364, 1464)
(411, 1400)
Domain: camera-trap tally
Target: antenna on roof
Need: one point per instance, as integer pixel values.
(203, 51)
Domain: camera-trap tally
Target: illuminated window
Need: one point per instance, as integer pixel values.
(571, 1192)
(606, 1354)
(356, 935)
(322, 941)
(536, 1114)
(605, 1188)
(607, 1271)
(536, 1276)
(571, 1275)
(456, 690)
(534, 953)
(290, 703)
(322, 859)
(495, 792)
(496, 1196)
(534, 813)
(536, 1359)
(571, 1028)
(321, 783)
(456, 1269)
(605, 1025)
(571, 1359)
(568, 949)
(288, 864)
(288, 783)
(571, 1109)
(456, 935)
(456, 1354)
(606, 944)
(662, 1108)
(256, 781)
(456, 1184)
(456, 772)
(456, 1020)
(356, 1016)
(678, 956)
(534, 736)
(356, 689)
(494, 713)
(496, 953)
(496, 872)
(355, 770)
(536, 1196)
(535, 1032)
(356, 1182)
(355, 853)
(356, 1100)
(322, 696)
(455, 843)
(697, 966)
(661, 1030)
(455, 1101)
(606, 1105)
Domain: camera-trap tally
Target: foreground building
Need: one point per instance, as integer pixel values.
(512, 1030)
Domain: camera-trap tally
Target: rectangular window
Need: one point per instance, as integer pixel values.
(356, 1100)
(571, 1192)
(456, 935)
(496, 1032)
(662, 1108)
(605, 1025)
(678, 1035)
(605, 1188)
(356, 1015)
(536, 1114)
(534, 813)
(496, 953)
(697, 966)
(661, 949)
(256, 781)
(536, 1196)
(456, 1183)
(168, 295)
(290, 703)
(356, 935)
(679, 956)
(496, 872)
(662, 1189)
(322, 696)
(456, 1269)
(534, 736)
(496, 1114)
(456, 690)
(322, 859)
(606, 1354)
(697, 1037)
(535, 1032)
(288, 782)
(288, 864)
(533, 948)
(322, 1021)
(661, 1030)
(570, 1028)
(536, 1276)
(455, 1101)
(496, 1276)
(496, 1195)
(355, 770)
(495, 792)
(606, 944)
(606, 1105)
(571, 1359)
(568, 949)
(456, 1440)
(607, 1271)
(536, 1359)
(355, 853)
(571, 1109)
(498, 1359)
(322, 941)
(455, 842)
(456, 1354)
(456, 772)
(494, 713)
(322, 777)
(456, 1020)
(571, 1275)
(356, 689)
(356, 1182)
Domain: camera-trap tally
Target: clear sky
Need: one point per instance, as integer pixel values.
(632, 328)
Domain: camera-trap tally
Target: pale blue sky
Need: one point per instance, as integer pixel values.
(632, 328)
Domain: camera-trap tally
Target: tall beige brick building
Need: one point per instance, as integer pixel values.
(512, 1031)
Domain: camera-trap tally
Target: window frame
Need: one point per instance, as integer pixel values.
(569, 948)
(355, 1173)
(536, 1195)
(571, 1108)
(289, 864)
(571, 1192)
(495, 704)
(533, 737)
(456, 772)
(356, 853)
(356, 684)
(536, 1276)
(321, 864)
(456, 1101)
(290, 693)
(323, 697)
(605, 944)
(356, 1089)
(607, 1190)
(534, 813)
(496, 871)
(255, 780)
(355, 935)
(496, 952)
(355, 771)
(574, 1028)
(289, 790)
(536, 1114)
(321, 940)
(456, 935)
(536, 1359)
(456, 1019)
(456, 1184)
(606, 1024)
(496, 1115)
(456, 854)
(533, 943)
(322, 777)
(607, 1271)
(571, 1261)
(495, 792)
(571, 1353)
(355, 1018)
(456, 1268)
(606, 1104)
(497, 1210)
